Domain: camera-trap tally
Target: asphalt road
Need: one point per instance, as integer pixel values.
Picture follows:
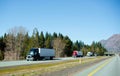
(110, 67)
(25, 62)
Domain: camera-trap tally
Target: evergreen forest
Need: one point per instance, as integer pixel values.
(15, 44)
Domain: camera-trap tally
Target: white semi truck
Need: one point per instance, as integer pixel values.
(89, 54)
(40, 53)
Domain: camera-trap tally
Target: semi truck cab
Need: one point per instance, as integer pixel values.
(77, 53)
(33, 55)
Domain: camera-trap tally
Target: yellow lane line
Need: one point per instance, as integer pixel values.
(98, 68)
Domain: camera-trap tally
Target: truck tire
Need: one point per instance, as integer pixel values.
(51, 58)
(41, 58)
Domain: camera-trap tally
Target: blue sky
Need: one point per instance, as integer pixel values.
(85, 20)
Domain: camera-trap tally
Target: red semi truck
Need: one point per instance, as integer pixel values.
(77, 53)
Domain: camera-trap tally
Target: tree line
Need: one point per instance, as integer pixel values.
(15, 44)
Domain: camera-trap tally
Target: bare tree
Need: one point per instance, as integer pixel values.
(14, 43)
(59, 45)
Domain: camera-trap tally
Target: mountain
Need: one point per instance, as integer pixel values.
(112, 43)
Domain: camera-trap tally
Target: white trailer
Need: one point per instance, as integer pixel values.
(40, 53)
(89, 54)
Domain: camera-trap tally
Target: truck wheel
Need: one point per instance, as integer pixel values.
(41, 58)
(51, 58)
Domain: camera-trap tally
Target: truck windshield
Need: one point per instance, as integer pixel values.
(32, 51)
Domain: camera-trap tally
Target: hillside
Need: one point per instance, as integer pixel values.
(112, 43)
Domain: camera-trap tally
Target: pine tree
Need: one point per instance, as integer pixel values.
(2, 48)
(48, 43)
(35, 38)
(54, 35)
(46, 35)
(68, 46)
(60, 36)
(2, 44)
(26, 45)
(81, 45)
(42, 40)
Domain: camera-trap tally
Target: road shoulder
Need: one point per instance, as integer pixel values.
(75, 69)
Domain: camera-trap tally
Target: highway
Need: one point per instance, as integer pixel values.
(25, 62)
(110, 67)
